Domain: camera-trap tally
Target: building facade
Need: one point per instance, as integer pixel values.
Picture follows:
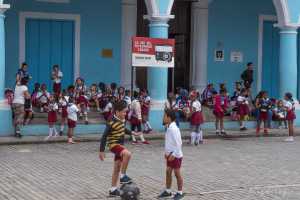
(92, 39)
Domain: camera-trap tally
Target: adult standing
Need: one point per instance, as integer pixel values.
(57, 76)
(20, 94)
(22, 73)
(247, 76)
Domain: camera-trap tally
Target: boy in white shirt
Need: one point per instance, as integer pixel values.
(173, 155)
(72, 119)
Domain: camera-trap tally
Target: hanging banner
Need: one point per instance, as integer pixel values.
(152, 52)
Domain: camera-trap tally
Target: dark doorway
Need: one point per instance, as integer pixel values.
(180, 30)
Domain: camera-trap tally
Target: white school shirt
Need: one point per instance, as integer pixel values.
(288, 105)
(43, 96)
(196, 105)
(242, 99)
(173, 142)
(108, 107)
(58, 78)
(72, 112)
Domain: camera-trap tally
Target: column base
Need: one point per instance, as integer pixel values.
(6, 119)
(156, 115)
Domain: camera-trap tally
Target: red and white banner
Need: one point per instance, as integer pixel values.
(152, 52)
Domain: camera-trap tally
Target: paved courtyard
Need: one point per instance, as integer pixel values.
(239, 169)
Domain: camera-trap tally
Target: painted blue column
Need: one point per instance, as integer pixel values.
(158, 77)
(5, 111)
(159, 13)
(288, 62)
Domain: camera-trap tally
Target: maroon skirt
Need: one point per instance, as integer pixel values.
(135, 121)
(219, 114)
(243, 110)
(197, 118)
(64, 112)
(263, 116)
(290, 116)
(52, 118)
(71, 123)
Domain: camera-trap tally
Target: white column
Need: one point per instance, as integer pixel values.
(129, 23)
(199, 43)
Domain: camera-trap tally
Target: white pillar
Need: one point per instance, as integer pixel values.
(199, 43)
(129, 23)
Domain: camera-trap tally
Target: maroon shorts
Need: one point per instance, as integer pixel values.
(135, 121)
(71, 123)
(117, 150)
(175, 164)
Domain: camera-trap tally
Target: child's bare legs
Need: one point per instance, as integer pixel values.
(169, 171)
(179, 179)
(85, 113)
(116, 174)
(62, 125)
(266, 125)
(126, 156)
(70, 136)
(222, 125)
(97, 104)
(217, 125)
(291, 128)
(258, 127)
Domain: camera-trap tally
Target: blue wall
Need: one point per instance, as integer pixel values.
(100, 29)
(234, 24)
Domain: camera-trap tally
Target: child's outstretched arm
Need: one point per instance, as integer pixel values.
(103, 142)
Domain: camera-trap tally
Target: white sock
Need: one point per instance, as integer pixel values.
(148, 124)
(199, 136)
(168, 190)
(54, 131)
(193, 138)
(62, 127)
(113, 189)
(217, 131)
(180, 192)
(145, 127)
(86, 116)
(122, 175)
(142, 138)
(50, 132)
(133, 138)
(222, 130)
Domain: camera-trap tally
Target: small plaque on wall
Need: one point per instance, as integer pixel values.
(107, 53)
(219, 55)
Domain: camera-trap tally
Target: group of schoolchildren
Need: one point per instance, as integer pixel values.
(78, 99)
(240, 107)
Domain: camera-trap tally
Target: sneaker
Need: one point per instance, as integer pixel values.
(86, 122)
(289, 139)
(115, 193)
(60, 133)
(146, 142)
(243, 129)
(178, 196)
(125, 179)
(223, 133)
(165, 194)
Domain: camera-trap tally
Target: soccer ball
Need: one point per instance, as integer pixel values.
(130, 192)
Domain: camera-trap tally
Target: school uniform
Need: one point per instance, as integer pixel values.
(52, 112)
(264, 107)
(57, 81)
(220, 106)
(63, 104)
(243, 106)
(72, 115)
(197, 117)
(173, 146)
(107, 111)
(135, 115)
(290, 116)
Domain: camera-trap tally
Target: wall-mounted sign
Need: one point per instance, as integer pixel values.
(151, 52)
(107, 53)
(219, 55)
(236, 57)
